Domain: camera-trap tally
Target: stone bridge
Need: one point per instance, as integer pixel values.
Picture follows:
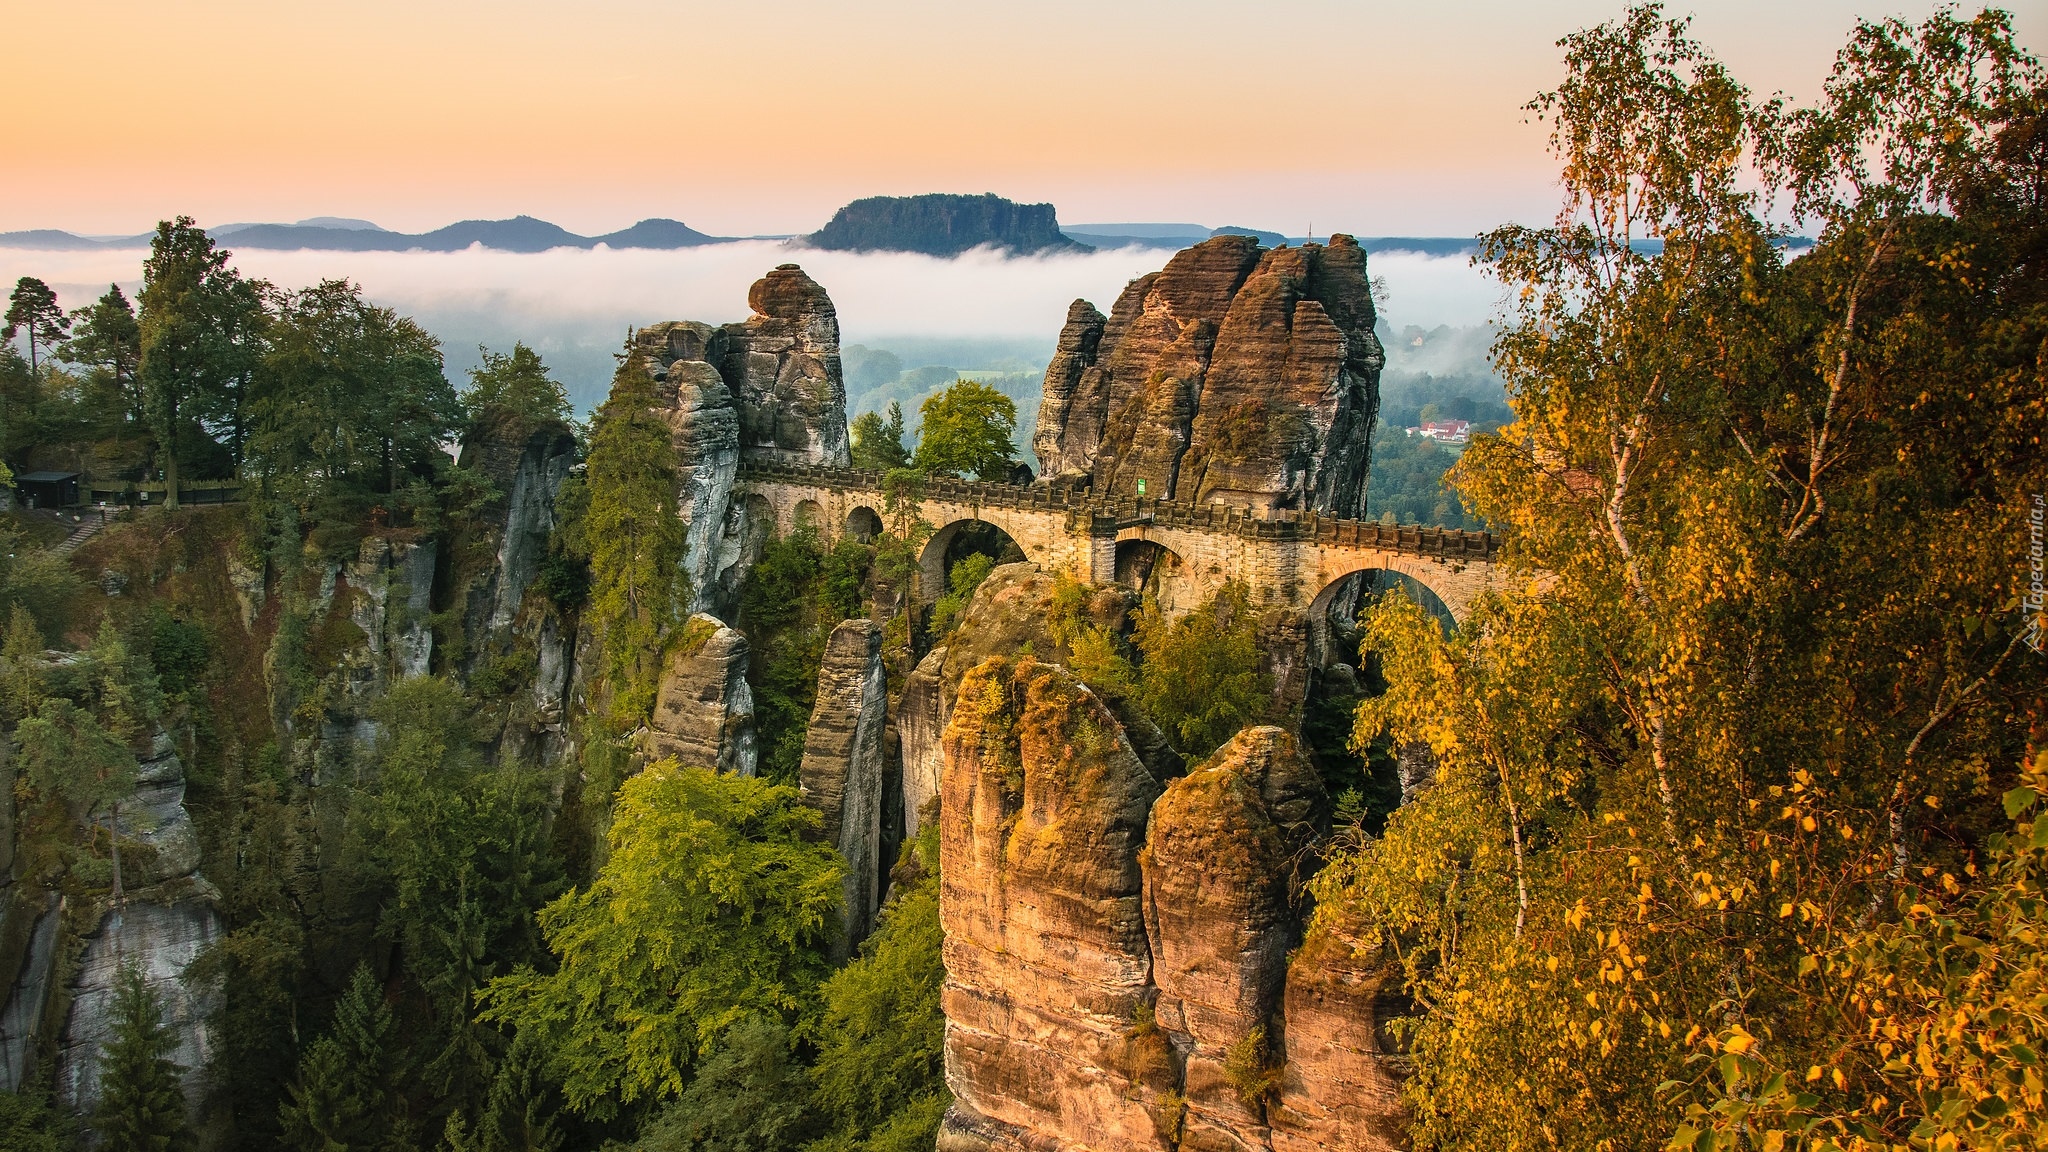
(1183, 551)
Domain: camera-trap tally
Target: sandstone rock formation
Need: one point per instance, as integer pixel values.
(1219, 857)
(1118, 966)
(841, 770)
(782, 364)
(704, 426)
(769, 388)
(1044, 806)
(1235, 374)
(64, 951)
(703, 708)
(527, 471)
(1341, 1085)
(1010, 613)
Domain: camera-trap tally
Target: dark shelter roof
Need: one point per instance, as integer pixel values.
(44, 477)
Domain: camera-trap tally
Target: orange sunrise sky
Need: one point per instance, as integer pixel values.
(764, 117)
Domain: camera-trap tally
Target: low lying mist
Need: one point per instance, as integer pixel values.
(981, 311)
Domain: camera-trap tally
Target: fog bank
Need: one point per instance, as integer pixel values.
(574, 306)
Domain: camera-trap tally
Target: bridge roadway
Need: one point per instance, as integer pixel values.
(1287, 559)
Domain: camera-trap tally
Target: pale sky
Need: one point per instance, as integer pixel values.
(743, 118)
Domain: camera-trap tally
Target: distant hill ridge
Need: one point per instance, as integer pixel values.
(519, 234)
(937, 224)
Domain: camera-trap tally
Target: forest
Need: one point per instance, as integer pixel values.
(1732, 834)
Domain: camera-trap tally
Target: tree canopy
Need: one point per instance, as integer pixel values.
(713, 907)
(878, 443)
(1719, 755)
(966, 432)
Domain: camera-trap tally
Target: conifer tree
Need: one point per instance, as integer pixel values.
(638, 592)
(142, 1108)
(32, 308)
(109, 339)
(878, 443)
(342, 1099)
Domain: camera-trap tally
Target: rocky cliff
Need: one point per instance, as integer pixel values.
(769, 387)
(1236, 373)
(1125, 950)
(1047, 965)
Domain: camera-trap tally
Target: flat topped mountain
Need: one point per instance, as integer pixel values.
(942, 224)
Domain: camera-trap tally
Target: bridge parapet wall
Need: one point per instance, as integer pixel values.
(1109, 515)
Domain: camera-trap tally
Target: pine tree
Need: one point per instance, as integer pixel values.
(342, 1100)
(142, 1107)
(32, 308)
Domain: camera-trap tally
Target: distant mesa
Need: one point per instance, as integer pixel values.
(342, 234)
(943, 224)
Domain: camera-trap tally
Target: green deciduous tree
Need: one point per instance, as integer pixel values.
(712, 908)
(461, 847)
(200, 331)
(32, 311)
(966, 432)
(878, 443)
(142, 1103)
(1200, 674)
(638, 590)
(880, 1069)
(749, 1096)
(352, 401)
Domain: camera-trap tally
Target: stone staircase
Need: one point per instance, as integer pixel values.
(86, 530)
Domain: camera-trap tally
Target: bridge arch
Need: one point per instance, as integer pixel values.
(863, 524)
(1152, 568)
(953, 542)
(1350, 591)
(807, 514)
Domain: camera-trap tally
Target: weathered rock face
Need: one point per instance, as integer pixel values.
(1235, 374)
(394, 586)
(161, 932)
(1044, 806)
(1065, 1027)
(703, 708)
(841, 773)
(527, 472)
(62, 954)
(1010, 613)
(1341, 1087)
(769, 387)
(1219, 857)
(704, 426)
(782, 364)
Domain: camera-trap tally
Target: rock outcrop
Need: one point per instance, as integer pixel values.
(703, 708)
(1011, 612)
(782, 364)
(1341, 1085)
(770, 388)
(1047, 966)
(527, 471)
(1220, 854)
(841, 772)
(1235, 374)
(1118, 956)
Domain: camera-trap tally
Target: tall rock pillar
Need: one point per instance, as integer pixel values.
(841, 771)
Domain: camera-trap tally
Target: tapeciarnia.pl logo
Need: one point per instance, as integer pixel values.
(2037, 528)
